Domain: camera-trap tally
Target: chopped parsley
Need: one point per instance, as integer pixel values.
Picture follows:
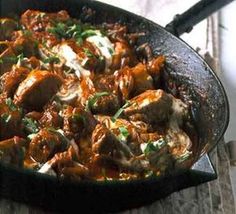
(100, 44)
(59, 30)
(27, 33)
(111, 51)
(11, 105)
(92, 100)
(154, 146)
(79, 118)
(120, 111)
(87, 33)
(52, 60)
(183, 157)
(31, 126)
(123, 134)
(6, 117)
(12, 59)
(88, 52)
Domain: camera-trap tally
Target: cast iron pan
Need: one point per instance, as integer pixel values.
(185, 69)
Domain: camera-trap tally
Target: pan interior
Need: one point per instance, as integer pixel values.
(194, 79)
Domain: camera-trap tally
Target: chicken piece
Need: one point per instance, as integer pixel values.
(158, 155)
(123, 52)
(26, 45)
(133, 81)
(64, 165)
(69, 91)
(7, 27)
(37, 89)
(125, 83)
(78, 122)
(39, 23)
(142, 80)
(179, 142)
(51, 117)
(31, 63)
(105, 142)
(131, 133)
(45, 144)
(107, 104)
(86, 89)
(155, 67)
(123, 56)
(124, 130)
(11, 79)
(7, 58)
(152, 106)
(105, 82)
(10, 119)
(81, 59)
(13, 151)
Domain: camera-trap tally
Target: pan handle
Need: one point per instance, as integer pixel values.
(184, 22)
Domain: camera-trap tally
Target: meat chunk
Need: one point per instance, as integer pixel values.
(131, 133)
(142, 80)
(179, 142)
(107, 104)
(10, 119)
(13, 151)
(37, 89)
(51, 117)
(152, 106)
(45, 144)
(7, 27)
(64, 165)
(155, 67)
(125, 83)
(25, 44)
(10, 80)
(38, 23)
(78, 122)
(7, 59)
(132, 81)
(105, 142)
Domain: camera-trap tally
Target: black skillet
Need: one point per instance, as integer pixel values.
(185, 68)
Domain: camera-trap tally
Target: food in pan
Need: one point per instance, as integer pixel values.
(83, 101)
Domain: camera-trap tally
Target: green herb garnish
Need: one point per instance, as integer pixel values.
(6, 117)
(30, 125)
(51, 60)
(123, 134)
(27, 33)
(100, 44)
(88, 52)
(92, 100)
(120, 111)
(183, 157)
(11, 105)
(154, 146)
(111, 51)
(59, 30)
(31, 136)
(12, 59)
(87, 33)
(79, 118)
